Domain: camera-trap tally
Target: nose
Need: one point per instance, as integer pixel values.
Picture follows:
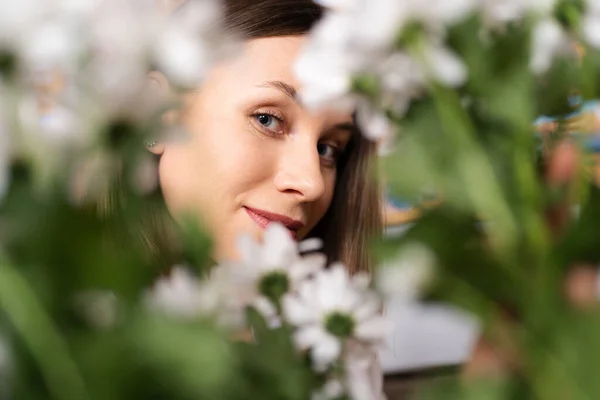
(300, 173)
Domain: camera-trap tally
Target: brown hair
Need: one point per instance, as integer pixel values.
(354, 217)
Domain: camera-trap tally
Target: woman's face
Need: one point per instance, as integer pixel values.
(254, 154)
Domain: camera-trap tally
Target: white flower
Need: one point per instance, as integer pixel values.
(590, 24)
(403, 277)
(359, 38)
(17, 17)
(374, 124)
(332, 308)
(269, 270)
(445, 66)
(52, 44)
(448, 12)
(498, 12)
(361, 379)
(363, 374)
(181, 57)
(332, 389)
(183, 295)
(548, 40)
(177, 294)
(190, 42)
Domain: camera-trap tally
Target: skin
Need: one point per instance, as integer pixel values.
(252, 144)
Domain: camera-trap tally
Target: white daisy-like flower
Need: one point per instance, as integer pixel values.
(332, 308)
(177, 294)
(267, 271)
(183, 295)
(358, 38)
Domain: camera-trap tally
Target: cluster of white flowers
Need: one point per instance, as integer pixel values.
(360, 38)
(335, 317)
(68, 66)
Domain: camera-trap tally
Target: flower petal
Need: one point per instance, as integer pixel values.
(248, 248)
(306, 266)
(309, 336)
(326, 351)
(279, 249)
(297, 312)
(311, 244)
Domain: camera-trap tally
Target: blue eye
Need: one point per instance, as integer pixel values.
(271, 122)
(327, 151)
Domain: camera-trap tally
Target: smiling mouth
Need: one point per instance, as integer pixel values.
(263, 218)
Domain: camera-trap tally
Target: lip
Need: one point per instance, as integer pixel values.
(263, 218)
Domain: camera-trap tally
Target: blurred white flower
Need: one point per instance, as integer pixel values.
(444, 65)
(362, 377)
(183, 295)
(446, 12)
(363, 374)
(403, 277)
(177, 294)
(180, 57)
(52, 44)
(332, 389)
(373, 122)
(267, 271)
(499, 12)
(190, 42)
(332, 308)
(17, 17)
(548, 41)
(359, 38)
(590, 24)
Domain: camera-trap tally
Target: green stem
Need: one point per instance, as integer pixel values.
(24, 311)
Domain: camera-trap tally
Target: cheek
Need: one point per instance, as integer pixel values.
(208, 174)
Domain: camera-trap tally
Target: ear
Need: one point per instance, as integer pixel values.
(159, 85)
(155, 147)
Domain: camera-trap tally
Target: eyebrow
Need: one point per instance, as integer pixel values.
(292, 93)
(283, 87)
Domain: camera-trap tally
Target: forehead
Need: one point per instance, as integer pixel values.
(263, 60)
(269, 59)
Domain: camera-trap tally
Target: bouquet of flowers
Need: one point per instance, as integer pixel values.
(451, 89)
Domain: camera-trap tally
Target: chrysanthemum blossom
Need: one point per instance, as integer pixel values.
(181, 294)
(332, 308)
(267, 271)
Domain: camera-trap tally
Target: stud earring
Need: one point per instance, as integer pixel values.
(151, 143)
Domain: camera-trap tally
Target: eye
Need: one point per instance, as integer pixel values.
(270, 122)
(328, 152)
